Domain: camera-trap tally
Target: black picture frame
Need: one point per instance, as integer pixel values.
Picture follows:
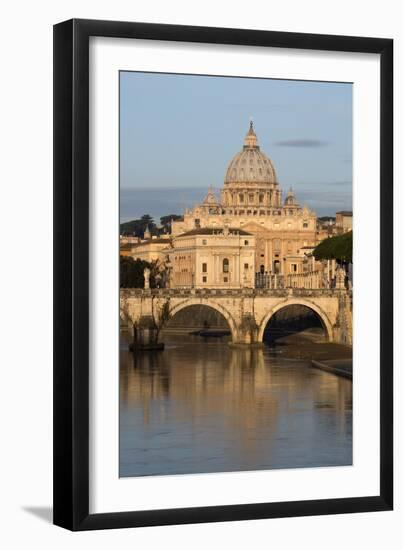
(71, 274)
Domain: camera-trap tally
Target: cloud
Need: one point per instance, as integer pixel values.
(322, 184)
(301, 143)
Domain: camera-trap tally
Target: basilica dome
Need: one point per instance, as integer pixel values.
(251, 165)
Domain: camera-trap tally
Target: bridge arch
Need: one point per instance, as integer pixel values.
(210, 304)
(298, 302)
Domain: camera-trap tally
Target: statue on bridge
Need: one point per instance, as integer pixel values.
(147, 274)
(340, 277)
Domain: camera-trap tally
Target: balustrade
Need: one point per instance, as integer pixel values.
(268, 280)
(308, 280)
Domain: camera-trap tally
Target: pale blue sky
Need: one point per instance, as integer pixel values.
(179, 132)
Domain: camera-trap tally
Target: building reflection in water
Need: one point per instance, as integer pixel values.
(206, 407)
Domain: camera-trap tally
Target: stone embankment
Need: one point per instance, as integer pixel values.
(327, 356)
(341, 367)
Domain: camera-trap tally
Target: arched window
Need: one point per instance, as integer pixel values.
(241, 197)
(225, 265)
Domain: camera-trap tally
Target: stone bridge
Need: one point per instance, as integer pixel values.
(247, 311)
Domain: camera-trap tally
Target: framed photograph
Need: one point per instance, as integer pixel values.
(222, 274)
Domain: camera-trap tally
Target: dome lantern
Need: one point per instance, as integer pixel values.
(250, 141)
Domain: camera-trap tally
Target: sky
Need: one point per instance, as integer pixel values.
(178, 134)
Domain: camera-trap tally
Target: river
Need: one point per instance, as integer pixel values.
(204, 406)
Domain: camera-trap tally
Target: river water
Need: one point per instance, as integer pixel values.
(204, 406)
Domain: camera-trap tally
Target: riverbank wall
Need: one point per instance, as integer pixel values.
(340, 367)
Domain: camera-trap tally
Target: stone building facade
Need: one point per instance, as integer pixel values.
(251, 200)
(249, 237)
(152, 249)
(213, 258)
(344, 221)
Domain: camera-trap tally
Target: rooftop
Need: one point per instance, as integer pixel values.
(157, 240)
(126, 246)
(213, 231)
(345, 213)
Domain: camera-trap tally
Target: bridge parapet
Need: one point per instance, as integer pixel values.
(247, 292)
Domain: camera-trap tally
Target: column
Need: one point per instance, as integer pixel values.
(282, 265)
(333, 268)
(266, 255)
(235, 277)
(270, 257)
(328, 274)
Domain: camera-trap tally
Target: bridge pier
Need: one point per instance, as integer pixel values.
(247, 333)
(145, 335)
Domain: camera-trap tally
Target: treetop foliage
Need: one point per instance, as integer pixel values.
(138, 227)
(339, 248)
(132, 272)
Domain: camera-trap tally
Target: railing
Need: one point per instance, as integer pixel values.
(308, 280)
(267, 280)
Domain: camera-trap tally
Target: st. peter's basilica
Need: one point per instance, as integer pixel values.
(245, 238)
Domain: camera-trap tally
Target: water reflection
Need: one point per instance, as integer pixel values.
(207, 407)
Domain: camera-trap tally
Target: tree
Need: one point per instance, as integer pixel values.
(339, 248)
(137, 227)
(132, 272)
(147, 221)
